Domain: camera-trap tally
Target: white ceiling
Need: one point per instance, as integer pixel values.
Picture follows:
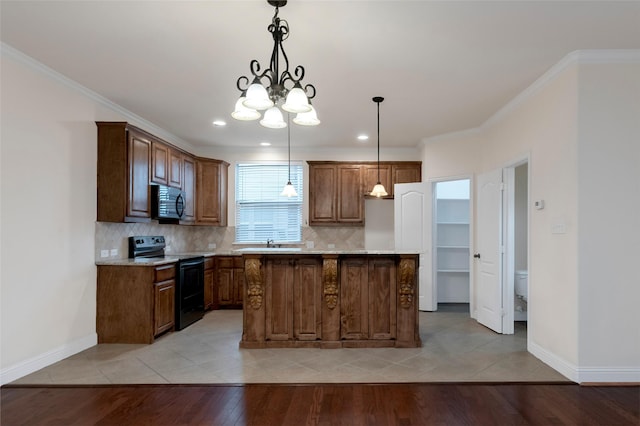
(442, 66)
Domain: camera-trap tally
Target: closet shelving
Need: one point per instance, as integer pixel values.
(452, 250)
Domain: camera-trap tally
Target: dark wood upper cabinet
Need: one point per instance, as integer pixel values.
(159, 163)
(350, 201)
(175, 169)
(124, 169)
(211, 192)
(130, 159)
(337, 189)
(189, 187)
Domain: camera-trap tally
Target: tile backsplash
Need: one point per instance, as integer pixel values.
(181, 238)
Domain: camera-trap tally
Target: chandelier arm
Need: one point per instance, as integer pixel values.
(239, 82)
(312, 88)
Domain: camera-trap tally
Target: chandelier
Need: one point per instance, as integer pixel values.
(271, 89)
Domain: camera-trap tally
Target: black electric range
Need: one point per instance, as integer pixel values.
(189, 289)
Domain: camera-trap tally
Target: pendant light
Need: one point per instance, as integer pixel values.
(289, 190)
(378, 189)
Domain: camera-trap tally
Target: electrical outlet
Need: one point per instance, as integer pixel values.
(113, 252)
(331, 246)
(212, 245)
(310, 244)
(104, 253)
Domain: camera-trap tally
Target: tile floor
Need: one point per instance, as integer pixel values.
(455, 348)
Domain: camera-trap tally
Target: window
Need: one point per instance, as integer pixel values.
(261, 212)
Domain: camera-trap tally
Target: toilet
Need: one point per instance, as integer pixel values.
(521, 284)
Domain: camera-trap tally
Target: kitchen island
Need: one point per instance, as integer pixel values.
(334, 299)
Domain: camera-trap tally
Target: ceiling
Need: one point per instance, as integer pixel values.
(442, 66)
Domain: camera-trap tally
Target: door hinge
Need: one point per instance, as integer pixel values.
(503, 313)
(502, 186)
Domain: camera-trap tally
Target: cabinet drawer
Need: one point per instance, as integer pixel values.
(165, 272)
(226, 262)
(208, 263)
(237, 262)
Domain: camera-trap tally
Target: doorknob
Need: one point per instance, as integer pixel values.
(477, 255)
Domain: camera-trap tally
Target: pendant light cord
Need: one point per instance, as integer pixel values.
(378, 141)
(289, 143)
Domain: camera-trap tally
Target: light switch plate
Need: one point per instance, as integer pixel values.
(104, 253)
(113, 252)
(212, 245)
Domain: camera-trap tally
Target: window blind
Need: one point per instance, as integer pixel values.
(261, 212)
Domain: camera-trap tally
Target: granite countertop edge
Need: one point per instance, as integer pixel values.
(174, 257)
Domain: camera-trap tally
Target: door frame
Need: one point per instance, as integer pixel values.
(508, 288)
(434, 237)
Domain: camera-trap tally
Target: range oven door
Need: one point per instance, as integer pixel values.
(189, 291)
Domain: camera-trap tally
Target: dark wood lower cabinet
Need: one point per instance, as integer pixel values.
(330, 301)
(135, 303)
(229, 282)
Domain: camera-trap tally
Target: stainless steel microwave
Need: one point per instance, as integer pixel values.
(166, 202)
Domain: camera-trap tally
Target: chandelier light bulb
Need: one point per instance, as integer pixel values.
(273, 119)
(243, 113)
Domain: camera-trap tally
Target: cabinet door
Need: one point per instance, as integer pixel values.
(322, 193)
(238, 286)
(175, 168)
(164, 305)
(139, 154)
(279, 299)
(159, 163)
(307, 299)
(189, 188)
(350, 200)
(354, 302)
(225, 286)
(406, 173)
(371, 177)
(382, 298)
(208, 289)
(211, 192)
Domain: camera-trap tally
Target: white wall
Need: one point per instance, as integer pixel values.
(579, 126)
(609, 209)
(47, 223)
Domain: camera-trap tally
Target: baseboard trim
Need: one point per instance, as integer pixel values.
(37, 362)
(563, 367)
(586, 375)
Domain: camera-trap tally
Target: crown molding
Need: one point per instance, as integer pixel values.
(577, 57)
(474, 131)
(33, 64)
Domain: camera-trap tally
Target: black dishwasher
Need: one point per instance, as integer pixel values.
(189, 291)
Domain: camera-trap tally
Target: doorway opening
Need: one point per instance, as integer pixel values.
(452, 212)
(517, 242)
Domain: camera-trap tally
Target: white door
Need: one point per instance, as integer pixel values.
(489, 250)
(412, 231)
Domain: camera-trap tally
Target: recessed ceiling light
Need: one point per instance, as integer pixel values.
(265, 143)
(219, 123)
(363, 137)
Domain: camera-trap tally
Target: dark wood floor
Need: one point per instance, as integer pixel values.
(342, 404)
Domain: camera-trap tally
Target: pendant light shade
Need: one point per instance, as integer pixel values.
(257, 96)
(307, 118)
(273, 119)
(296, 100)
(289, 190)
(243, 113)
(378, 189)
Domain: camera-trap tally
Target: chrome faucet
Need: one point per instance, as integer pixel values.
(269, 242)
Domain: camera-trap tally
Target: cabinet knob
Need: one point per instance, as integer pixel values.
(477, 255)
